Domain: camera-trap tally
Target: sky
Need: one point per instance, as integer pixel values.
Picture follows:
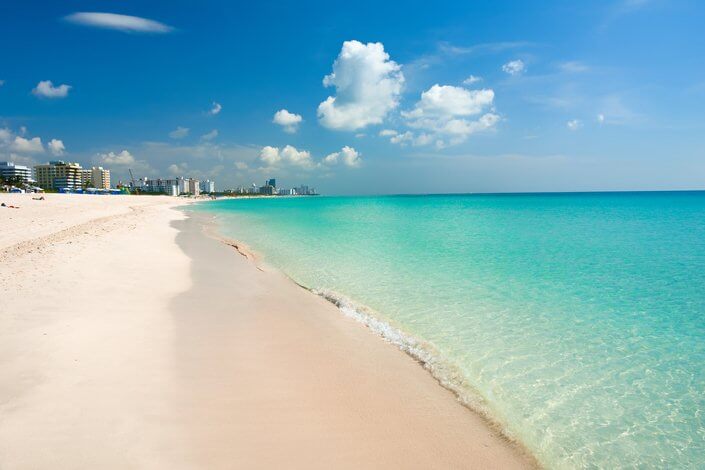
(365, 98)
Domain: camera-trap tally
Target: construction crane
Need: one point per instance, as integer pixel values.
(134, 185)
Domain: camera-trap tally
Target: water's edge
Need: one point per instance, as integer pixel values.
(425, 354)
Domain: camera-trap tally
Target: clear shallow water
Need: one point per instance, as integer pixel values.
(579, 319)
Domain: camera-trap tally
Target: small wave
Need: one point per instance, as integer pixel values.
(447, 374)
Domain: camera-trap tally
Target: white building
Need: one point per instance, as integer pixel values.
(182, 185)
(96, 177)
(10, 170)
(194, 187)
(208, 186)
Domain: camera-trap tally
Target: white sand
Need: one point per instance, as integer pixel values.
(135, 341)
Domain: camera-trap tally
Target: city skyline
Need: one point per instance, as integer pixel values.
(467, 98)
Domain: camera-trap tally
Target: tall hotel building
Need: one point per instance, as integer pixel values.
(58, 174)
(96, 177)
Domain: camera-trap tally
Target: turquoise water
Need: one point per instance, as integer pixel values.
(575, 321)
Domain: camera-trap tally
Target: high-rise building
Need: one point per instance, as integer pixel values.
(272, 182)
(10, 171)
(208, 186)
(267, 189)
(194, 187)
(58, 174)
(96, 177)
(169, 187)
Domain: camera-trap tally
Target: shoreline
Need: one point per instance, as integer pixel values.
(147, 343)
(420, 352)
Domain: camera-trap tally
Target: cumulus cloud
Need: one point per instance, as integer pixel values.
(291, 156)
(472, 79)
(112, 158)
(179, 132)
(387, 133)
(514, 67)
(574, 124)
(215, 109)
(273, 156)
(177, 169)
(444, 112)
(210, 135)
(289, 121)
(46, 89)
(22, 145)
(347, 156)
(367, 84)
(56, 147)
(270, 155)
(444, 100)
(124, 23)
(296, 157)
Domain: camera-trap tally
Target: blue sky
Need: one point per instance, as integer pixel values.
(566, 96)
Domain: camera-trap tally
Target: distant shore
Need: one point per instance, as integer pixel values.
(130, 338)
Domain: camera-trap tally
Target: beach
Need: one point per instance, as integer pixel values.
(132, 338)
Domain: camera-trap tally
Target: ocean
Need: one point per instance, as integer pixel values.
(574, 321)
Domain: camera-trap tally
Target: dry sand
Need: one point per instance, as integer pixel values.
(130, 339)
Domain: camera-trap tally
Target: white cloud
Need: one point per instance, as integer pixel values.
(574, 124)
(124, 23)
(446, 100)
(601, 118)
(46, 89)
(112, 158)
(270, 155)
(210, 135)
(514, 67)
(472, 79)
(408, 137)
(444, 111)
(5, 135)
(573, 66)
(289, 121)
(241, 165)
(273, 156)
(423, 139)
(347, 155)
(296, 157)
(179, 132)
(22, 145)
(56, 147)
(351, 157)
(402, 139)
(177, 169)
(367, 83)
(215, 109)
